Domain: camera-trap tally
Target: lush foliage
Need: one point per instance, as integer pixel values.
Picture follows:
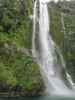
(18, 71)
(15, 21)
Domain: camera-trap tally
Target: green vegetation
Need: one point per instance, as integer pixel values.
(64, 37)
(15, 23)
(56, 26)
(69, 47)
(18, 71)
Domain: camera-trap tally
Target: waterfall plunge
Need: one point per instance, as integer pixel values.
(45, 54)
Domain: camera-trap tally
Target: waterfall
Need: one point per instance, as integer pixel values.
(44, 50)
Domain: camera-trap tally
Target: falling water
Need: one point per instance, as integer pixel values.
(45, 51)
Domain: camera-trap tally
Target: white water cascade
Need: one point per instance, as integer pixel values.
(44, 50)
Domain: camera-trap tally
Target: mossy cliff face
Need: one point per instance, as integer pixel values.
(18, 72)
(64, 36)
